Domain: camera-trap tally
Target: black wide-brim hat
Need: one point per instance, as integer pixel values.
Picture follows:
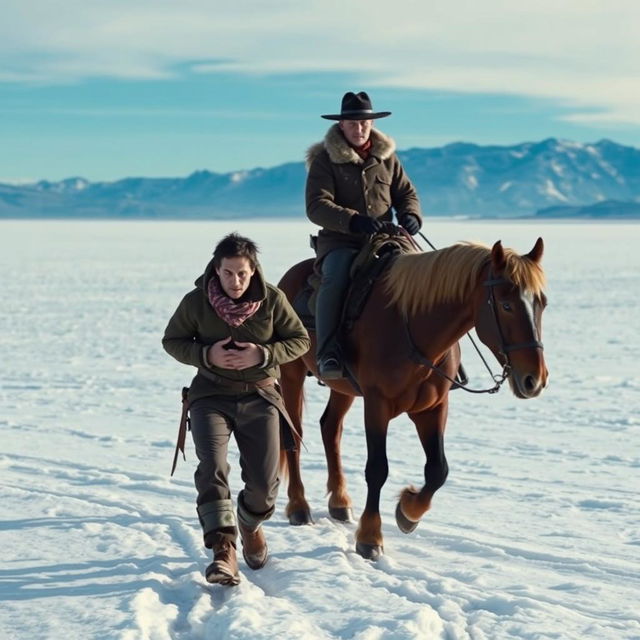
(356, 106)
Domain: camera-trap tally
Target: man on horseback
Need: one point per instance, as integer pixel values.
(355, 179)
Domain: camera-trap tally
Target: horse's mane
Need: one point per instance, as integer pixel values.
(418, 281)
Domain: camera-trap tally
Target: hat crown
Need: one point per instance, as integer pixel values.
(355, 102)
(356, 106)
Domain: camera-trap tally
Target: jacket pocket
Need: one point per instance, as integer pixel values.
(380, 194)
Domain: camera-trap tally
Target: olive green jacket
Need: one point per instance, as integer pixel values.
(195, 325)
(341, 184)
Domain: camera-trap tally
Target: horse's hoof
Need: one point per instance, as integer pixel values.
(369, 551)
(343, 514)
(404, 524)
(300, 517)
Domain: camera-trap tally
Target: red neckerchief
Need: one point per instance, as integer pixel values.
(364, 150)
(233, 313)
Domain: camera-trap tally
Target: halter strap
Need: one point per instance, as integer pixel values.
(492, 282)
(504, 347)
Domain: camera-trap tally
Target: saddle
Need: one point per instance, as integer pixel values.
(372, 261)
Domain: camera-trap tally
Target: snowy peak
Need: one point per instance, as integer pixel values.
(69, 185)
(520, 179)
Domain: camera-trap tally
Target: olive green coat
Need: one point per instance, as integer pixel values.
(275, 326)
(341, 184)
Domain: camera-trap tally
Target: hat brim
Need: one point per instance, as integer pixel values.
(360, 116)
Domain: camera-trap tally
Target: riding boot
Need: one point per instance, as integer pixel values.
(334, 284)
(224, 568)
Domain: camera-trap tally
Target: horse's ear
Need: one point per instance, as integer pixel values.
(497, 257)
(536, 253)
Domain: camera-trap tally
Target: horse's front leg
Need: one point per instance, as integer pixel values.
(413, 503)
(369, 542)
(331, 424)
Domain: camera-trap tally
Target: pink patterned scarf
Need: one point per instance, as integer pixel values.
(233, 313)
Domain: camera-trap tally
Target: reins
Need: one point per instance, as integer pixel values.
(499, 379)
(419, 358)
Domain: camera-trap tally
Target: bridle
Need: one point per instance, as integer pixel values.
(504, 348)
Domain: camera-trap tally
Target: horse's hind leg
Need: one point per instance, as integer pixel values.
(331, 423)
(292, 381)
(413, 503)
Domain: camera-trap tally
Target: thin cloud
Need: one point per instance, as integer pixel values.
(602, 118)
(582, 53)
(91, 112)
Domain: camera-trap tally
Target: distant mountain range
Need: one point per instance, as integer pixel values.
(606, 209)
(551, 178)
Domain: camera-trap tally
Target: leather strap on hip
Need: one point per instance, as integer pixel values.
(182, 429)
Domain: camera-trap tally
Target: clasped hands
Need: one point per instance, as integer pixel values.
(227, 354)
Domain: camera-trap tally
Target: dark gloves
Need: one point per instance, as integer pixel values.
(410, 222)
(365, 224)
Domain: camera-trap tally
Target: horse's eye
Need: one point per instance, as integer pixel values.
(506, 306)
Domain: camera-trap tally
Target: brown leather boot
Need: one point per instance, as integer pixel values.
(224, 568)
(254, 546)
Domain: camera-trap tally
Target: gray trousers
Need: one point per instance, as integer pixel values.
(334, 282)
(255, 424)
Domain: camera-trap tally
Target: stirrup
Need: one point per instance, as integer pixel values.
(330, 368)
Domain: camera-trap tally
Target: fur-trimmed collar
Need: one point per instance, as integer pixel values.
(340, 152)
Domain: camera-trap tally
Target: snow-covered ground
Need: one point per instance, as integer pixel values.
(535, 535)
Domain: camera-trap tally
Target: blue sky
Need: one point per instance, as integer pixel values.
(108, 89)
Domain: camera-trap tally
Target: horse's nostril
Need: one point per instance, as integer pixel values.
(529, 383)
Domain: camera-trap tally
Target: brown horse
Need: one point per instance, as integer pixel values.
(403, 352)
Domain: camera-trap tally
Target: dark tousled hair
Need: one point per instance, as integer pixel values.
(234, 246)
